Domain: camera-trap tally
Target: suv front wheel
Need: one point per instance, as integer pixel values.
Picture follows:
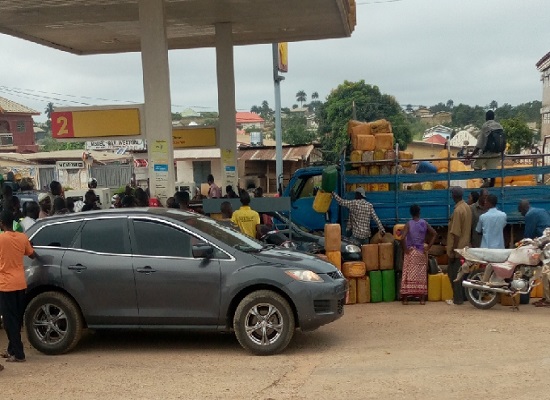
(264, 323)
(53, 323)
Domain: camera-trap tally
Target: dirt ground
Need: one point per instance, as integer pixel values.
(383, 351)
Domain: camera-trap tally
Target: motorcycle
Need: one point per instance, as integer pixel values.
(503, 271)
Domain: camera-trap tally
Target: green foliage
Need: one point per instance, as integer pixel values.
(301, 97)
(439, 107)
(176, 116)
(51, 144)
(370, 105)
(463, 115)
(294, 130)
(50, 108)
(518, 134)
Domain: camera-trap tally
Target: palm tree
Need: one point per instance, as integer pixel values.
(314, 96)
(301, 96)
(493, 105)
(450, 104)
(256, 109)
(49, 110)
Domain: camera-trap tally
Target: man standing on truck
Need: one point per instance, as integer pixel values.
(490, 143)
(458, 237)
(360, 214)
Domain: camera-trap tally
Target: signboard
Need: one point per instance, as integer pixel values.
(128, 144)
(81, 123)
(194, 137)
(283, 57)
(69, 164)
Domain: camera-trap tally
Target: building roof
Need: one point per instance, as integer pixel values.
(461, 138)
(248, 118)
(543, 62)
(290, 153)
(8, 106)
(5, 158)
(189, 112)
(436, 139)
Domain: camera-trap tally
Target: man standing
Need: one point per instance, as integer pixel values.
(214, 192)
(490, 158)
(245, 217)
(491, 225)
(458, 237)
(478, 208)
(13, 247)
(536, 219)
(360, 214)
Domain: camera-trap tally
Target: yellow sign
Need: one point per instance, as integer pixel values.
(283, 57)
(194, 137)
(93, 123)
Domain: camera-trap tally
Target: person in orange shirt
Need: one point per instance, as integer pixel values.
(13, 247)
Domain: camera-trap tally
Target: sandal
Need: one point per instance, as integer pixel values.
(542, 304)
(541, 301)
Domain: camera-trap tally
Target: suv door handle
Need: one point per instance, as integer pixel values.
(78, 267)
(146, 270)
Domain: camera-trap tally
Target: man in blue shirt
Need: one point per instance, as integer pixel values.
(491, 225)
(536, 219)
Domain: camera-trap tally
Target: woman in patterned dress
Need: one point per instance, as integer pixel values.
(414, 281)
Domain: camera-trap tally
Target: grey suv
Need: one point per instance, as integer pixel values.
(166, 269)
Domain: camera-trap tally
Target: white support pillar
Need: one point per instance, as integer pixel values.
(156, 88)
(226, 105)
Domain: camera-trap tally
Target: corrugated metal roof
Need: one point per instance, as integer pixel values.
(16, 157)
(295, 153)
(436, 139)
(8, 106)
(60, 155)
(247, 117)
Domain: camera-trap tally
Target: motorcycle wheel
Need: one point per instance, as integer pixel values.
(482, 299)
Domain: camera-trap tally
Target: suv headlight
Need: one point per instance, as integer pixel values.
(352, 248)
(303, 275)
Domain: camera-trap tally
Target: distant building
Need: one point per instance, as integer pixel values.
(463, 138)
(543, 65)
(249, 120)
(444, 131)
(16, 127)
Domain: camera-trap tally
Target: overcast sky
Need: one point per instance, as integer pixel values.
(420, 51)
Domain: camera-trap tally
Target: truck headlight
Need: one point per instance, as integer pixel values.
(351, 248)
(304, 275)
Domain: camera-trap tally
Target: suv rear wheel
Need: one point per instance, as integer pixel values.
(53, 323)
(264, 323)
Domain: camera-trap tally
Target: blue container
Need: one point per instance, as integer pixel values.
(426, 166)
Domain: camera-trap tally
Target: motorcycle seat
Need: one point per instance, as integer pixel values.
(490, 255)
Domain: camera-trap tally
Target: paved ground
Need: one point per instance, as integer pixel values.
(383, 351)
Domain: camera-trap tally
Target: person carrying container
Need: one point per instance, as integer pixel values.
(360, 214)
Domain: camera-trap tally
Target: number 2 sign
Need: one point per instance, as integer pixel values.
(62, 125)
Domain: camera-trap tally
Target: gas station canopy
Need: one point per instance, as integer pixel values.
(113, 26)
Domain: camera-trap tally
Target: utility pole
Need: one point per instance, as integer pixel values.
(278, 132)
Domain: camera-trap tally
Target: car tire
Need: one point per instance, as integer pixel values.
(53, 323)
(264, 323)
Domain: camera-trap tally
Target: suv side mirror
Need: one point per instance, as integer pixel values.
(203, 250)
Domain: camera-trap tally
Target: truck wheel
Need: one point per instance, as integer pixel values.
(264, 323)
(53, 323)
(481, 299)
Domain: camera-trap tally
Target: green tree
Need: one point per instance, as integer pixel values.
(370, 105)
(463, 115)
(493, 105)
(450, 104)
(50, 108)
(518, 134)
(51, 144)
(314, 96)
(301, 97)
(295, 132)
(439, 107)
(256, 109)
(409, 108)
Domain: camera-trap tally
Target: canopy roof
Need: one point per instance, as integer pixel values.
(112, 26)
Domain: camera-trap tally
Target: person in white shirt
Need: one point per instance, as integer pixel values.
(32, 210)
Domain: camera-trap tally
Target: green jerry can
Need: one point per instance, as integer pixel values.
(376, 286)
(329, 179)
(388, 285)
